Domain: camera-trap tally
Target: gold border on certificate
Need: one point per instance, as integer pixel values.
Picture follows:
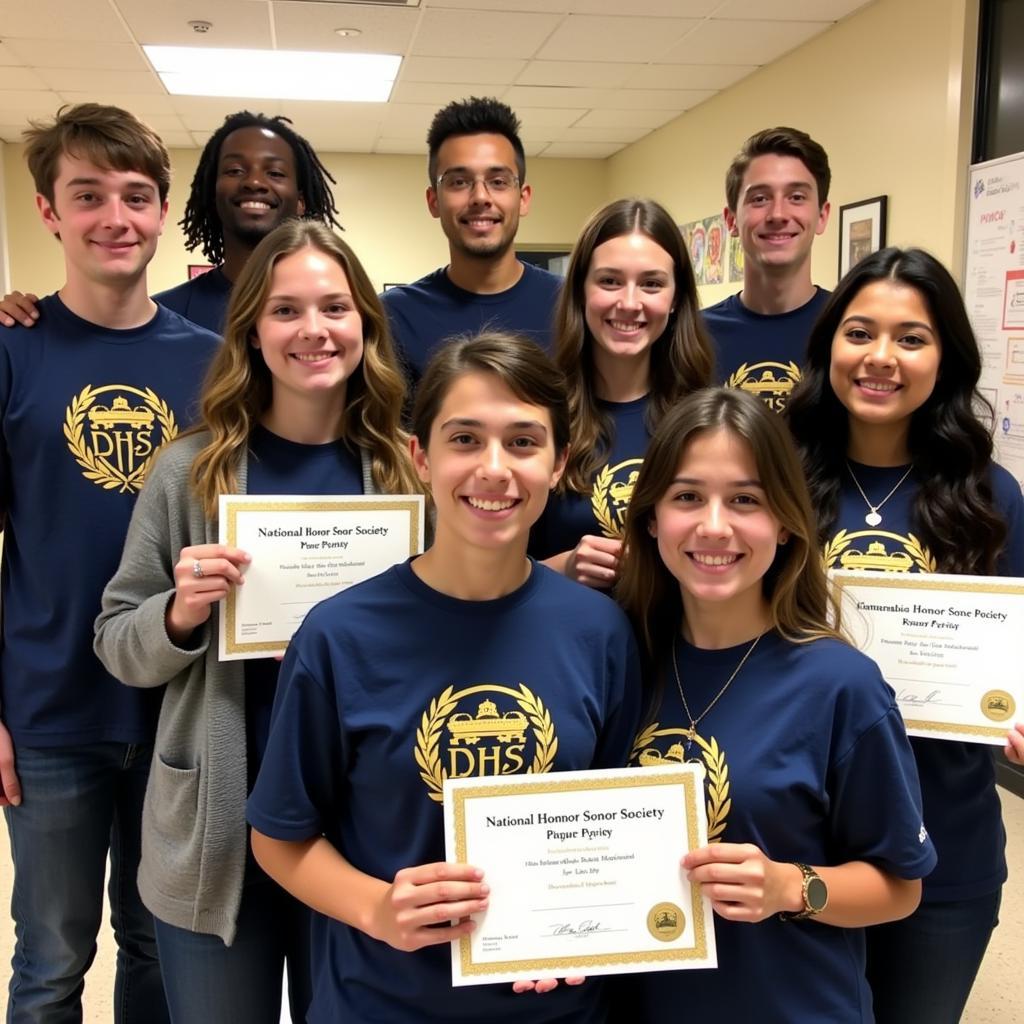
(354, 504)
(925, 581)
(552, 784)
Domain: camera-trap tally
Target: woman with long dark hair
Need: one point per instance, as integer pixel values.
(631, 342)
(303, 397)
(814, 819)
(898, 454)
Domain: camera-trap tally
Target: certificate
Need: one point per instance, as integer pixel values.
(948, 645)
(584, 873)
(305, 549)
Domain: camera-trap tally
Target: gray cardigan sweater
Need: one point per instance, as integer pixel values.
(194, 834)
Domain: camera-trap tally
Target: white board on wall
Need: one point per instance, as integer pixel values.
(994, 295)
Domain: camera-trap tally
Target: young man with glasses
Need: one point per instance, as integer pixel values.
(478, 191)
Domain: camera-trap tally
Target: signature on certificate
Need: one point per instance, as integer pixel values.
(919, 700)
(587, 927)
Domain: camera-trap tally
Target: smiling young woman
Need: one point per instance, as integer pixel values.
(384, 680)
(813, 804)
(900, 470)
(631, 342)
(303, 397)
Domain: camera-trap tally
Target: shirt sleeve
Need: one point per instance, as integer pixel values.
(301, 774)
(875, 802)
(1010, 502)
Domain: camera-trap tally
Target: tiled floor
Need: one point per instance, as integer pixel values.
(998, 996)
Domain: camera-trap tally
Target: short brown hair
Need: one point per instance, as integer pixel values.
(109, 137)
(519, 363)
(784, 142)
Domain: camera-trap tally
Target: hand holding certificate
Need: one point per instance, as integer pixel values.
(948, 645)
(303, 550)
(583, 871)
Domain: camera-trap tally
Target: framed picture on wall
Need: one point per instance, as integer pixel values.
(861, 230)
(198, 269)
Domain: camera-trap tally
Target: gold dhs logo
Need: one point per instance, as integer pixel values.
(114, 430)
(613, 488)
(867, 549)
(483, 730)
(657, 746)
(771, 382)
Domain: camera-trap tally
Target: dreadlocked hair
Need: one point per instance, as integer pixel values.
(201, 225)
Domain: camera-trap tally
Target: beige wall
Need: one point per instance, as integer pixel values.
(887, 92)
(381, 199)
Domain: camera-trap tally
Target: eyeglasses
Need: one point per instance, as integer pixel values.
(495, 182)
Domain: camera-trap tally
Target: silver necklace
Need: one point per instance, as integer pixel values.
(691, 733)
(872, 518)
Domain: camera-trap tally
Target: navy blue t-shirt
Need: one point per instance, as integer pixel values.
(279, 466)
(570, 516)
(426, 313)
(379, 687)
(761, 353)
(961, 806)
(82, 410)
(806, 757)
(203, 299)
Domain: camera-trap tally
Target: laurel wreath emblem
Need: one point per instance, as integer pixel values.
(738, 379)
(428, 738)
(98, 469)
(599, 504)
(923, 558)
(716, 782)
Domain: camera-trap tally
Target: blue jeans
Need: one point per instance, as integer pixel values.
(77, 804)
(211, 983)
(921, 969)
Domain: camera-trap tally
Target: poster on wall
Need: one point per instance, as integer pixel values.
(714, 250)
(735, 259)
(994, 295)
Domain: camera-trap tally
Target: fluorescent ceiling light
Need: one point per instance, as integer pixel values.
(275, 74)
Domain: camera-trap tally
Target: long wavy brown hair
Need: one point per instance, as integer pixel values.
(238, 387)
(798, 595)
(681, 359)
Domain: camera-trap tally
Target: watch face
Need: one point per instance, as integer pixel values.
(817, 894)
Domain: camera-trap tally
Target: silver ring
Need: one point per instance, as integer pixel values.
(197, 569)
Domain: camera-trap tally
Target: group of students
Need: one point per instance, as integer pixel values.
(709, 518)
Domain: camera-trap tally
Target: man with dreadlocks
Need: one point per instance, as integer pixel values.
(254, 172)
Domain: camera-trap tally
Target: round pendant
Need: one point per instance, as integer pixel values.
(872, 519)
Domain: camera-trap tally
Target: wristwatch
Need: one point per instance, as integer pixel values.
(815, 893)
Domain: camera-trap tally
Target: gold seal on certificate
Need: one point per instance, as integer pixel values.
(303, 550)
(948, 645)
(584, 874)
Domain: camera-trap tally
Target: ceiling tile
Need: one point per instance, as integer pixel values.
(554, 117)
(75, 53)
(688, 76)
(85, 20)
(22, 78)
(583, 37)
(400, 145)
(310, 26)
(536, 6)
(621, 135)
(236, 23)
(583, 150)
(29, 99)
(657, 99)
(8, 58)
(649, 119)
(789, 10)
(510, 34)
(580, 73)
(460, 69)
(439, 94)
(648, 8)
(742, 42)
(541, 96)
(11, 132)
(408, 121)
(177, 140)
(81, 80)
(140, 104)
